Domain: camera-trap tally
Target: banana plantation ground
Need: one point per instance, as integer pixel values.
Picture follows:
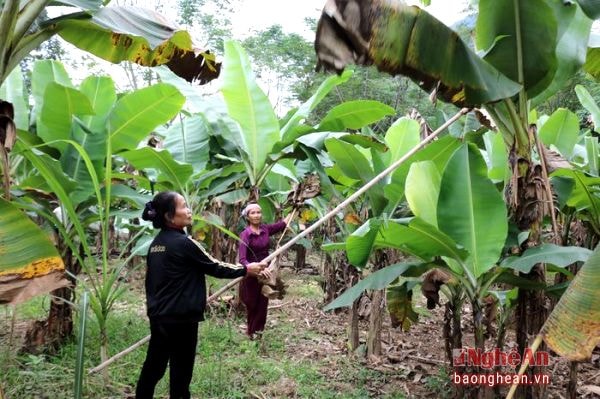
(303, 353)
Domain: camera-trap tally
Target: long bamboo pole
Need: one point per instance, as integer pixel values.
(313, 227)
(524, 365)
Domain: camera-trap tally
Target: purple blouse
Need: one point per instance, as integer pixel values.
(254, 247)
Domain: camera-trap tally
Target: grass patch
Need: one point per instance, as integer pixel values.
(285, 363)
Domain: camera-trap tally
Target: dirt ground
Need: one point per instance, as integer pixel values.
(412, 362)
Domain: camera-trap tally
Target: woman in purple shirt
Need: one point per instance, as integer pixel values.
(254, 247)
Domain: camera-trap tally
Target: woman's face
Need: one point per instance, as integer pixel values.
(255, 216)
(182, 216)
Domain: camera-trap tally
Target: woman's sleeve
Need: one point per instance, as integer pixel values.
(210, 265)
(243, 249)
(276, 227)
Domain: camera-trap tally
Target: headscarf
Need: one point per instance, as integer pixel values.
(249, 207)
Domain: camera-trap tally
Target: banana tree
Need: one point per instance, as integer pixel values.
(246, 140)
(113, 33)
(515, 72)
(82, 131)
(352, 168)
(261, 139)
(459, 225)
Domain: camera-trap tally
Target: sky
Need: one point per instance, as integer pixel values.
(249, 16)
(259, 14)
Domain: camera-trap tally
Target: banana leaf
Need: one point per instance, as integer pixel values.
(401, 39)
(471, 210)
(547, 253)
(30, 265)
(573, 328)
(500, 25)
(374, 281)
(138, 35)
(249, 106)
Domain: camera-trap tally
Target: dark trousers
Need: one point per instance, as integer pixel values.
(256, 304)
(173, 344)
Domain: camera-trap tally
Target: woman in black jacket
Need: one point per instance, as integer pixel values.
(176, 295)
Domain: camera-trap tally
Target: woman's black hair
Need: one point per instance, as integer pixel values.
(162, 204)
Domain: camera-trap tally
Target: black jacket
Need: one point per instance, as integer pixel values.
(175, 278)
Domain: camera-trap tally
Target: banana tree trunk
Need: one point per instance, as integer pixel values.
(353, 336)
(300, 261)
(452, 332)
(377, 310)
(529, 200)
(50, 334)
(332, 264)
(484, 391)
(572, 386)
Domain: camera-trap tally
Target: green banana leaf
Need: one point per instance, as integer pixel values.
(583, 196)
(132, 196)
(138, 35)
(401, 137)
(249, 106)
(46, 72)
(356, 166)
(100, 91)
(170, 171)
(90, 132)
(136, 114)
(586, 99)
(497, 157)
(354, 115)
(471, 210)
(572, 35)
(592, 149)
(60, 104)
(29, 263)
(360, 243)
(546, 253)
(439, 152)
(562, 131)
(422, 190)
(510, 31)
(419, 239)
(374, 281)
(573, 328)
(188, 142)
